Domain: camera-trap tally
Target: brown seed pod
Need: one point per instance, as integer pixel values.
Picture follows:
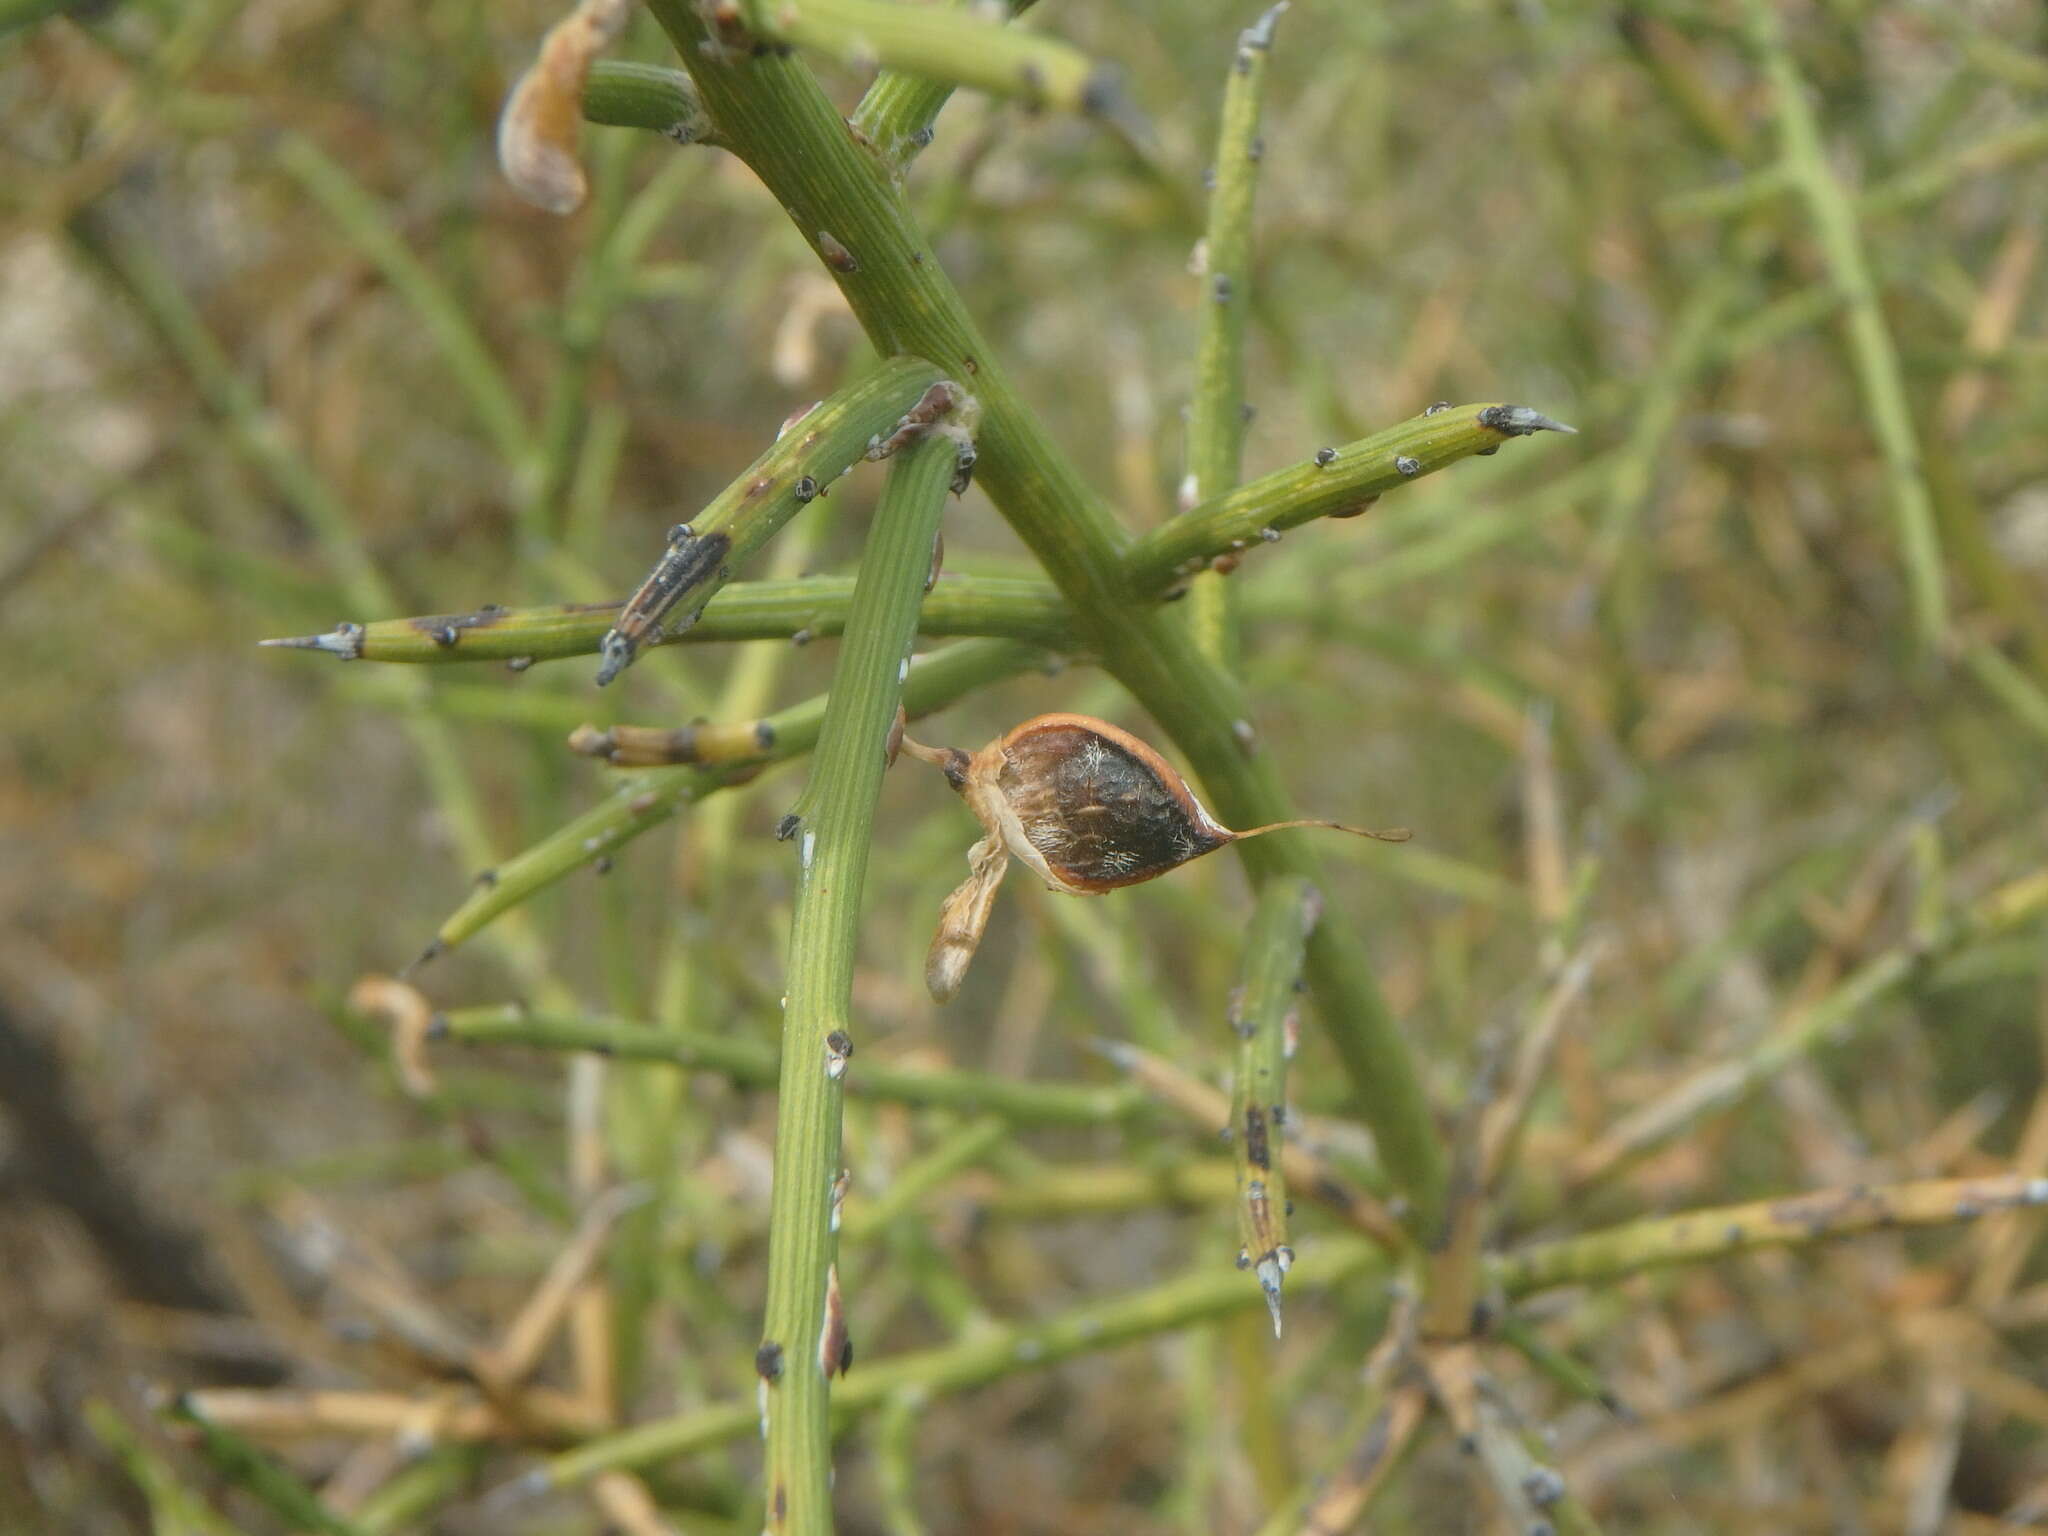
(1087, 806)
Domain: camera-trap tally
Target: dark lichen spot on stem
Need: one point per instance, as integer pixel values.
(1258, 1150)
(684, 565)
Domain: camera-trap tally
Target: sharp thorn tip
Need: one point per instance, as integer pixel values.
(434, 948)
(338, 642)
(1521, 419)
(1260, 33)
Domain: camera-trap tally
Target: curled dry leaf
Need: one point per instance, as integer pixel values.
(1087, 806)
(411, 1018)
(543, 118)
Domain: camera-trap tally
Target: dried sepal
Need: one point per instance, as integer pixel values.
(542, 123)
(963, 918)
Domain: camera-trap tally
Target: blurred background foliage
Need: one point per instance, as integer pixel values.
(273, 330)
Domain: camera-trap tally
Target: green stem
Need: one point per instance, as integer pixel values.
(1216, 414)
(1896, 194)
(1286, 915)
(897, 113)
(1015, 608)
(965, 1147)
(623, 94)
(1335, 482)
(952, 46)
(1795, 1221)
(990, 1354)
(1872, 352)
(1112, 1189)
(648, 798)
(755, 1064)
(833, 837)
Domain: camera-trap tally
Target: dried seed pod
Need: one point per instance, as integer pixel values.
(1087, 806)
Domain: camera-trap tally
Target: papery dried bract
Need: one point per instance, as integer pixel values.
(963, 918)
(542, 124)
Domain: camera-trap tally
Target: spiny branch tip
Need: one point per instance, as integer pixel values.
(1520, 421)
(1260, 33)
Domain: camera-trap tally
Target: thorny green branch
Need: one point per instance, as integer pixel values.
(1336, 482)
(1308, 1170)
(1008, 607)
(1790, 1222)
(803, 1342)
(753, 1064)
(1216, 418)
(772, 113)
(1259, 1017)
